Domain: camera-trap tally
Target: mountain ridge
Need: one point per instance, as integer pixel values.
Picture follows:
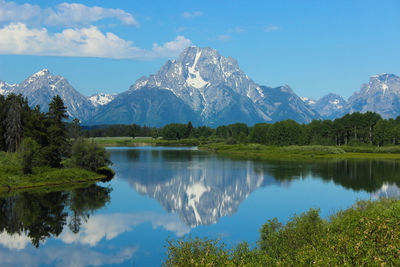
(207, 89)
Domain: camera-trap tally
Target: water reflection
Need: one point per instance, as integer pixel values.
(202, 188)
(387, 191)
(38, 216)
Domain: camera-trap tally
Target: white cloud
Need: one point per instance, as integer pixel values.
(64, 14)
(18, 39)
(170, 48)
(239, 29)
(109, 226)
(16, 241)
(65, 256)
(271, 28)
(76, 14)
(10, 11)
(224, 37)
(189, 15)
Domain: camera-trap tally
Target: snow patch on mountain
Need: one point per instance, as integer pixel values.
(101, 99)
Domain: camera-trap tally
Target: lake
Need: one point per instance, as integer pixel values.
(169, 192)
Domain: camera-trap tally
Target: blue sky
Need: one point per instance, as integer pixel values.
(316, 47)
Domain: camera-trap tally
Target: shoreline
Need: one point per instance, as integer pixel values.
(255, 151)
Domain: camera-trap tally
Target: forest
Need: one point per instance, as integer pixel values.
(352, 129)
(33, 139)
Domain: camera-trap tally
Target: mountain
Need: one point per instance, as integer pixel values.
(6, 88)
(42, 86)
(330, 107)
(281, 103)
(101, 99)
(381, 95)
(219, 92)
(147, 106)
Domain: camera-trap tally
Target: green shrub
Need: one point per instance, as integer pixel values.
(108, 172)
(368, 234)
(89, 155)
(29, 151)
(231, 141)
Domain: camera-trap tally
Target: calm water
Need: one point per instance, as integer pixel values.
(161, 192)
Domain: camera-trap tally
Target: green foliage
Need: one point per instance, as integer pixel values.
(56, 133)
(29, 152)
(89, 156)
(368, 234)
(13, 124)
(231, 141)
(283, 133)
(74, 129)
(189, 251)
(258, 133)
(174, 131)
(106, 171)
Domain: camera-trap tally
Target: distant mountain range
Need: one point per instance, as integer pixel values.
(208, 89)
(381, 95)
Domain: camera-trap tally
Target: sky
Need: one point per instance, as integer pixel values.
(316, 47)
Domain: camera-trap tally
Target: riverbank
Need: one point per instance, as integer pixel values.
(258, 151)
(141, 141)
(13, 179)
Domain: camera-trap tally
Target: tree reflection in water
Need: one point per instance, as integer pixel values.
(43, 215)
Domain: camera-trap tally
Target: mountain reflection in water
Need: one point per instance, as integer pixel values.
(202, 189)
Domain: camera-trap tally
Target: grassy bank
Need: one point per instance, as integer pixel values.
(12, 177)
(260, 152)
(139, 141)
(367, 234)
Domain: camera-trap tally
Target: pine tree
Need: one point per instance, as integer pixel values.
(13, 126)
(56, 132)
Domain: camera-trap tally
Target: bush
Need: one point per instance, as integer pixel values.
(368, 234)
(29, 150)
(108, 172)
(89, 155)
(231, 141)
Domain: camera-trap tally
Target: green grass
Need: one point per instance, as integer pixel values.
(12, 177)
(257, 151)
(368, 234)
(138, 141)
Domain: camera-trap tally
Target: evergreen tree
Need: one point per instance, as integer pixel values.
(75, 130)
(13, 126)
(56, 132)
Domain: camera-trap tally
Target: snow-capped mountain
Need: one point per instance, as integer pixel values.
(42, 86)
(216, 89)
(6, 88)
(381, 95)
(330, 107)
(308, 100)
(101, 99)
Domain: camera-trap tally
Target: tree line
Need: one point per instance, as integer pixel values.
(42, 138)
(351, 129)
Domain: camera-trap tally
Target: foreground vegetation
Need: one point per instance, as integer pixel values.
(368, 234)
